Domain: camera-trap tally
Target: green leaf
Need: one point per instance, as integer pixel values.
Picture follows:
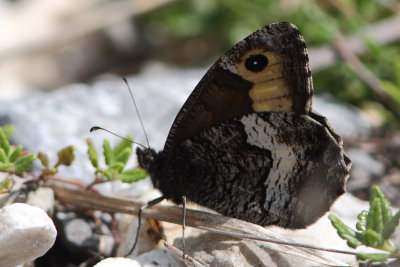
(43, 159)
(373, 257)
(66, 156)
(385, 205)
(362, 217)
(124, 155)
(24, 163)
(345, 232)
(6, 185)
(374, 203)
(390, 226)
(4, 141)
(15, 152)
(3, 156)
(5, 166)
(8, 130)
(386, 210)
(360, 237)
(117, 166)
(133, 175)
(375, 215)
(386, 245)
(92, 154)
(108, 153)
(107, 174)
(373, 194)
(372, 238)
(121, 146)
(53, 170)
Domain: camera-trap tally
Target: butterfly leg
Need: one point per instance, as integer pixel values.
(145, 206)
(183, 227)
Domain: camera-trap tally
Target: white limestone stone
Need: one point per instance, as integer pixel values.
(26, 233)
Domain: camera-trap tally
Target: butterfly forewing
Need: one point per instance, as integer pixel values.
(267, 71)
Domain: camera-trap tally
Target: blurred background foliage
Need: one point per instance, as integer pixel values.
(86, 39)
(223, 23)
(230, 20)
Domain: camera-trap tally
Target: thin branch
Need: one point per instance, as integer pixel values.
(198, 219)
(180, 253)
(359, 68)
(77, 183)
(382, 32)
(364, 74)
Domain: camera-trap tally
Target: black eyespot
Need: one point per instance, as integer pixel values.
(256, 63)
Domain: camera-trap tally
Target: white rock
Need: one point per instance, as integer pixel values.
(118, 261)
(43, 198)
(158, 257)
(26, 233)
(78, 231)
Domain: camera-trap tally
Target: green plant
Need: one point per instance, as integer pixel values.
(115, 159)
(374, 228)
(15, 161)
(65, 157)
(12, 158)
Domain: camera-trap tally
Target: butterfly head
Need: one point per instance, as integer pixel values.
(275, 60)
(146, 158)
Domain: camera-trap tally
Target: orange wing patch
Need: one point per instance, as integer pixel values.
(270, 91)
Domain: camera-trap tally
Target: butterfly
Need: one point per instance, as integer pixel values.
(247, 142)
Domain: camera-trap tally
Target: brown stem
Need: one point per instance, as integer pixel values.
(364, 74)
(199, 219)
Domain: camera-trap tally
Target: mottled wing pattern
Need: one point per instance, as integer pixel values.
(247, 144)
(266, 168)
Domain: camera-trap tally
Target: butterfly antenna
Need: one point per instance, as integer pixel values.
(137, 110)
(95, 128)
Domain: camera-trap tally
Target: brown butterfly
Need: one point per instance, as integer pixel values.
(247, 143)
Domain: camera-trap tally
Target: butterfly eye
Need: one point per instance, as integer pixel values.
(256, 63)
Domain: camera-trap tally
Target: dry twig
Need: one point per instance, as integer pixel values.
(199, 219)
(179, 253)
(364, 74)
(382, 32)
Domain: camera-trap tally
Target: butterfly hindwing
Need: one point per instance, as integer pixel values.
(267, 176)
